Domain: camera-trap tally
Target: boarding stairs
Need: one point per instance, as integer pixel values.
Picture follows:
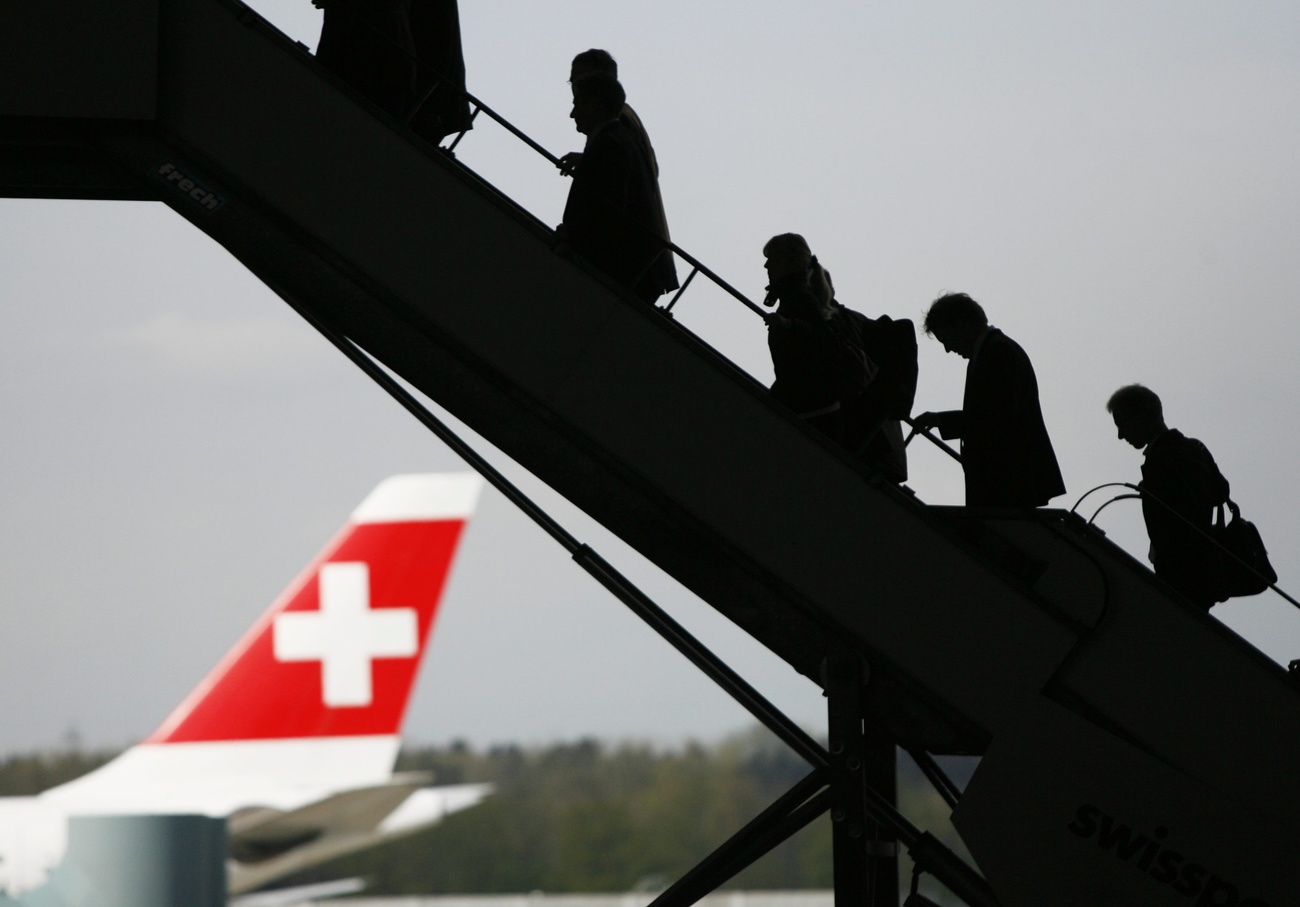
(1134, 750)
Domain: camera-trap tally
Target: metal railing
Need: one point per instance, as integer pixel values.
(697, 267)
(929, 436)
(434, 81)
(1137, 492)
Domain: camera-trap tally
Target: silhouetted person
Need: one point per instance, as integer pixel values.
(435, 31)
(599, 63)
(1181, 474)
(1006, 454)
(819, 367)
(609, 218)
(872, 430)
(368, 44)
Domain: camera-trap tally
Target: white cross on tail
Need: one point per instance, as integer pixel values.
(346, 635)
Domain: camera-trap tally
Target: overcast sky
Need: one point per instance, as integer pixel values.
(1115, 182)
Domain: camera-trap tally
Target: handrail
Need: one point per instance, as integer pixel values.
(1141, 493)
(502, 121)
(1083, 497)
(697, 267)
(925, 433)
(425, 69)
(1119, 497)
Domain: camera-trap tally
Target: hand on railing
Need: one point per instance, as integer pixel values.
(569, 163)
(921, 428)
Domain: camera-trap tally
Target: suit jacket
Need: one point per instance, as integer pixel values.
(1006, 453)
(611, 212)
(1181, 473)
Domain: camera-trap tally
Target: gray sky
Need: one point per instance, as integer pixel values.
(1115, 182)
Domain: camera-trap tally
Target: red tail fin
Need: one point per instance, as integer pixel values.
(337, 653)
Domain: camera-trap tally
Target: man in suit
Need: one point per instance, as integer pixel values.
(609, 217)
(596, 63)
(1006, 454)
(1181, 486)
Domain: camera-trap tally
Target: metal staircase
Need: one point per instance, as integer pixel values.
(1135, 751)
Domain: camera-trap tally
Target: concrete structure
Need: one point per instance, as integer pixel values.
(137, 861)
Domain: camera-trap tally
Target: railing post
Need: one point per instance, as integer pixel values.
(682, 289)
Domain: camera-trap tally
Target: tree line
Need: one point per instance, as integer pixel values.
(581, 816)
(588, 816)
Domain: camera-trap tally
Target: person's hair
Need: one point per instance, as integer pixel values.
(819, 282)
(605, 93)
(788, 245)
(1136, 400)
(594, 62)
(954, 308)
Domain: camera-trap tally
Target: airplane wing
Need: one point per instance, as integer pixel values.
(256, 834)
(301, 894)
(267, 844)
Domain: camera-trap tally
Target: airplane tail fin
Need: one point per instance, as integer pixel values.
(316, 691)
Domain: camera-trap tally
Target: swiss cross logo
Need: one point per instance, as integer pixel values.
(337, 654)
(346, 635)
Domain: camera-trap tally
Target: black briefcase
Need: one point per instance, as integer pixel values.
(1246, 568)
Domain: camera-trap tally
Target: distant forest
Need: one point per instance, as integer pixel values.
(583, 816)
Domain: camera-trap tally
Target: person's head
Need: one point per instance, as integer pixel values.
(593, 62)
(596, 100)
(1139, 417)
(788, 255)
(956, 321)
(785, 254)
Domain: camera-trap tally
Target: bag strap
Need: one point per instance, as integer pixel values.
(1146, 495)
(1219, 521)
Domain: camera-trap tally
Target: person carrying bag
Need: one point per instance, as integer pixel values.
(1246, 569)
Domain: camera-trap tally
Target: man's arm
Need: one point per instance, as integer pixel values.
(950, 423)
(599, 188)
